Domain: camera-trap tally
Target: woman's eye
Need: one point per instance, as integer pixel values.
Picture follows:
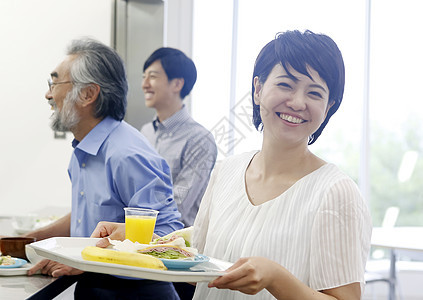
(316, 94)
(284, 84)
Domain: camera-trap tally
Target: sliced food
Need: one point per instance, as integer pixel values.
(168, 252)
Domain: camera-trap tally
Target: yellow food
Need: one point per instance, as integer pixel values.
(6, 260)
(121, 257)
(139, 228)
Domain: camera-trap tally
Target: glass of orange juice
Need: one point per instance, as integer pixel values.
(139, 224)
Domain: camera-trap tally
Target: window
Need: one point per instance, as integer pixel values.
(392, 98)
(396, 115)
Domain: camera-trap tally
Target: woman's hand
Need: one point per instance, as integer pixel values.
(114, 231)
(53, 268)
(252, 274)
(248, 275)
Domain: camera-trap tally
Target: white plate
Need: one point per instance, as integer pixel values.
(15, 271)
(22, 230)
(68, 251)
(38, 223)
(6, 217)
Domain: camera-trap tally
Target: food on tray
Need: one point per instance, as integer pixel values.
(121, 257)
(181, 238)
(172, 246)
(6, 260)
(170, 252)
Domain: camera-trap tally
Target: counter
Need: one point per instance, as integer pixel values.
(36, 287)
(22, 287)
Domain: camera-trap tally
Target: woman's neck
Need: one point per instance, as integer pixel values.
(293, 161)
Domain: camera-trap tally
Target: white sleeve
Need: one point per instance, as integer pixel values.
(201, 223)
(340, 238)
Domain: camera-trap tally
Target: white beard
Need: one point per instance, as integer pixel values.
(67, 117)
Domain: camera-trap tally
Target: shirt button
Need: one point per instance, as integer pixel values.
(83, 165)
(82, 193)
(79, 221)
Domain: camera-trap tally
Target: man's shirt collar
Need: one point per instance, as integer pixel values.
(92, 142)
(173, 121)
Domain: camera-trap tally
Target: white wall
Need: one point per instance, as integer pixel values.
(33, 37)
(178, 31)
(178, 25)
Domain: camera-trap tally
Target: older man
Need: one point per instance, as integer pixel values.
(112, 166)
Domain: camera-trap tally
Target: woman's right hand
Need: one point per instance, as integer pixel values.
(114, 231)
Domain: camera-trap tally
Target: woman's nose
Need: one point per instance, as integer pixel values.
(296, 101)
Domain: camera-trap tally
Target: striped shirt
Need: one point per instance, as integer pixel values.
(190, 151)
(319, 229)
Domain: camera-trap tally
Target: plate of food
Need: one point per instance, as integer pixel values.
(8, 262)
(175, 257)
(174, 249)
(12, 266)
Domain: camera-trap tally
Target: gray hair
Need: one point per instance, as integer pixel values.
(100, 64)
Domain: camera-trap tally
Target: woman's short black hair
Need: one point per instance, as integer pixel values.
(176, 65)
(300, 50)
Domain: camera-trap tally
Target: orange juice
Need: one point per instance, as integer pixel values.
(139, 228)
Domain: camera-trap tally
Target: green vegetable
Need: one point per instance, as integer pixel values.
(169, 254)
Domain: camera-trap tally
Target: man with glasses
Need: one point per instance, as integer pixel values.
(113, 166)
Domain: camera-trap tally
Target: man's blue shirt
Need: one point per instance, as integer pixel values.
(115, 167)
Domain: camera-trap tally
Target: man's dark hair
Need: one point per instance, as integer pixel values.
(176, 65)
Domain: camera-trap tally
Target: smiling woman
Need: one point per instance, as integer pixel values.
(366, 141)
(307, 208)
(231, 122)
(316, 85)
(286, 97)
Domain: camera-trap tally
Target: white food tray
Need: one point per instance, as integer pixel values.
(67, 250)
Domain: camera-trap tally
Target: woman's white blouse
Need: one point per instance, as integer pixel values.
(319, 229)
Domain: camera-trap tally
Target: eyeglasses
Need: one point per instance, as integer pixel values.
(51, 83)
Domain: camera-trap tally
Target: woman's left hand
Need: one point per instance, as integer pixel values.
(248, 275)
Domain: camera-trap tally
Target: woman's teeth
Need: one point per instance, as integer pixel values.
(290, 119)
